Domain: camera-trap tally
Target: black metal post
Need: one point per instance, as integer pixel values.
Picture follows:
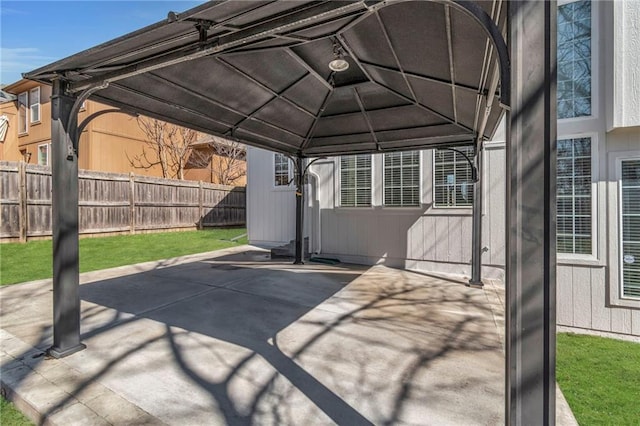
(476, 243)
(300, 171)
(64, 162)
(531, 207)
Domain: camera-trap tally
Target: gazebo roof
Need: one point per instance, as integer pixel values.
(421, 74)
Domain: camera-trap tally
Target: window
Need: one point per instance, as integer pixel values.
(630, 223)
(574, 196)
(34, 102)
(355, 180)
(402, 179)
(453, 183)
(23, 104)
(43, 154)
(574, 59)
(282, 170)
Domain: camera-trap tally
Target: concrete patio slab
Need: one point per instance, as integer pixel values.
(232, 337)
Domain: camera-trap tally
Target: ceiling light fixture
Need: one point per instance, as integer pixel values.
(339, 64)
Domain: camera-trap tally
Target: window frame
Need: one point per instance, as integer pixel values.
(37, 105)
(585, 258)
(48, 146)
(289, 163)
(339, 184)
(592, 256)
(26, 113)
(615, 231)
(384, 181)
(595, 60)
(620, 234)
(433, 180)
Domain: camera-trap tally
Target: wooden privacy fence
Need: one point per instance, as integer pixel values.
(114, 203)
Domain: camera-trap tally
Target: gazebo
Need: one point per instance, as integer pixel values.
(312, 79)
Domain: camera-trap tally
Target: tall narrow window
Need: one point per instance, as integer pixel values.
(574, 59)
(630, 222)
(23, 104)
(43, 154)
(453, 183)
(355, 180)
(402, 179)
(282, 170)
(574, 196)
(34, 104)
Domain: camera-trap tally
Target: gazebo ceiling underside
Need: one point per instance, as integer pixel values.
(420, 74)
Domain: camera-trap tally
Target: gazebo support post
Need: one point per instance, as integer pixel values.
(66, 270)
(476, 243)
(530, 213)
(299, 177)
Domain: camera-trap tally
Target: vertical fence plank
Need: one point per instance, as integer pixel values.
(132, 203)
(22, 200)
(200, 202)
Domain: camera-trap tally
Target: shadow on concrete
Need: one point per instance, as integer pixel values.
(267, 342)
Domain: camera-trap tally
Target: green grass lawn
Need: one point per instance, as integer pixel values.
(33, 260)
(600, 379)
(10, 416)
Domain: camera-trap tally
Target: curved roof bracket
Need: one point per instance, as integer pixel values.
(73, 116)
(472, 9)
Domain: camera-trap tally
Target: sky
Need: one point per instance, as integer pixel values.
(36, 33)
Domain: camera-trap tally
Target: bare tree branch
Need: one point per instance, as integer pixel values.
(175, 148)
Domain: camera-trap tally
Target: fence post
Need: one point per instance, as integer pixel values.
(200, 204)
(23, 220)
(132, 203)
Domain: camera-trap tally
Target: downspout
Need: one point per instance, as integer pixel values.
(476, 240)
(316, 180)
(299, 178)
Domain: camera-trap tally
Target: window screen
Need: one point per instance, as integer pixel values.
(282, 168)
(630, 244)
(355, 180)
(574, 59)
(574, 196)
(402, 179)
(34, 103)
(453, 183)
(23, 100)
(43, 155)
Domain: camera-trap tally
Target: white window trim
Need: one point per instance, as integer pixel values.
(442, 209)
(48, 145)
(26, 117)
(384, 187)
(338, 193)
(569, 258)
(289, 186)
(595, 61)
(31, 105)
(615, 237)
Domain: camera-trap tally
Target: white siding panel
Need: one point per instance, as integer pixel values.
(441, 241)
(582, 297)
(564, 291)
(621, 321)
(495, 204)
(456, 239)
(601, 315)
(635, 322)
(429, 233)
(467, 239)
(270, 210)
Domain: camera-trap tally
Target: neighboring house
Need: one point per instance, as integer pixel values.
(107, 144)
(413, 209)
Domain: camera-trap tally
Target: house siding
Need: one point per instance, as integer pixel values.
(439, 240)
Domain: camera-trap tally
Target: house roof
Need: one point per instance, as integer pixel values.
(421, 74)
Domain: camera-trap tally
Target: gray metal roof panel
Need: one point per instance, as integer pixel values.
(261, 74)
